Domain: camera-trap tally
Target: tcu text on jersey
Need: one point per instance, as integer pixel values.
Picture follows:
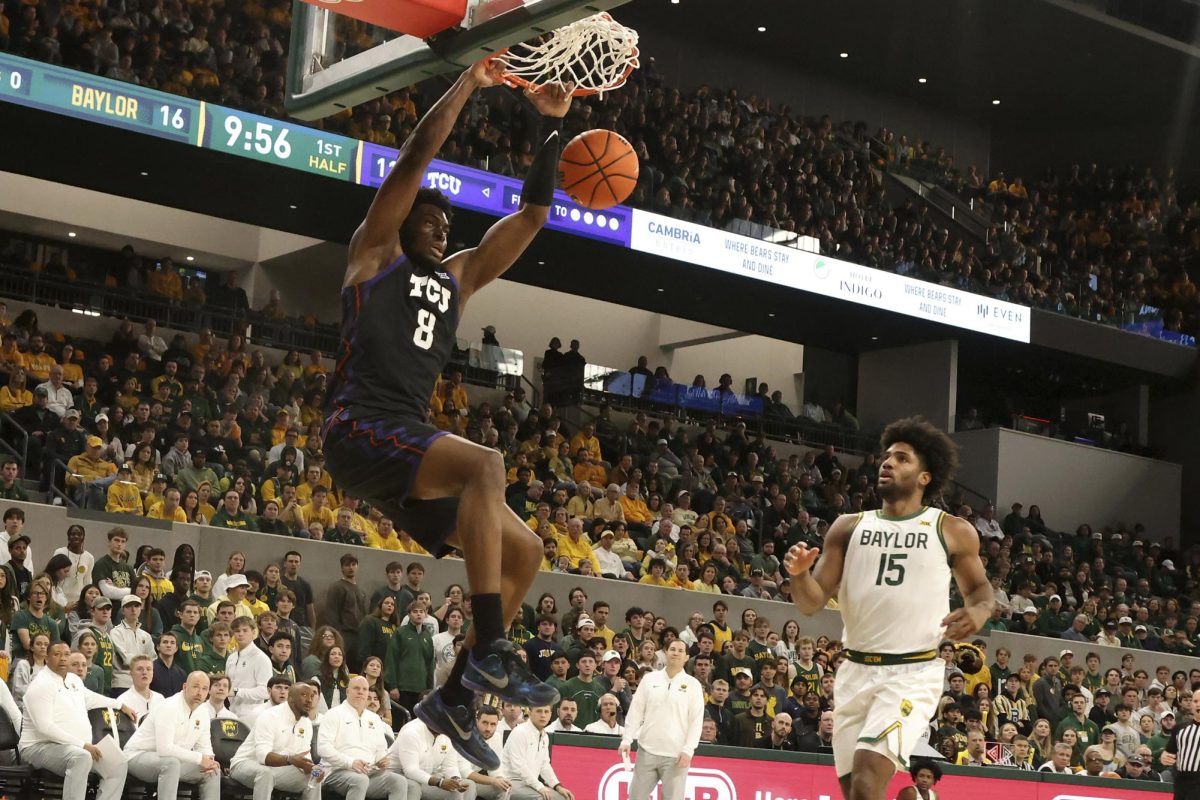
(433, 291)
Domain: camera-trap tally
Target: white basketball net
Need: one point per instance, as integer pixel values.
(596, 54)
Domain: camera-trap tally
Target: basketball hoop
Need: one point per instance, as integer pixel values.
(596, 54)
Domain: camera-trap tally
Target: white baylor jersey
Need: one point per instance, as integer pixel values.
(895, 588)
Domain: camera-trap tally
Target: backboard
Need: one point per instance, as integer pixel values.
(337, 62)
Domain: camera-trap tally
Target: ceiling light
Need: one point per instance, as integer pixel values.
(144, 174)
(674, 2)
(843, 55)
(921, 80)
(292, 206)
(191, 258)
(995, 102)
(72, 234)
(874, 338)
(771, 314)
(662, 290)
(762, 29)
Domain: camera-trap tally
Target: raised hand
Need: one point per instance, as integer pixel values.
(486, 73)
(551, 100)
(800, 559)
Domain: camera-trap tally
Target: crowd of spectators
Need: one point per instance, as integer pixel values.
(210, 432)
(1101, 244)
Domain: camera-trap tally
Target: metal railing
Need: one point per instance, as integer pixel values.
(20, 449)
(797, 430)
(95, 299)
(58, 479)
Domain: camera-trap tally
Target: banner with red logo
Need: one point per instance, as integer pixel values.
(595, 772)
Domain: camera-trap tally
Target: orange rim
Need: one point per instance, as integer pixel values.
(518, 82)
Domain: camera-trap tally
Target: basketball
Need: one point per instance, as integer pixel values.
(598, 169)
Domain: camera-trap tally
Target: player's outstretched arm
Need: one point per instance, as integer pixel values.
(504, 242)
(375, 240)
(962, 541)
(812, 588)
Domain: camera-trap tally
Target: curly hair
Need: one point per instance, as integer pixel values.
(937, 451)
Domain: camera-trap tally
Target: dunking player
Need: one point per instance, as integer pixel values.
(402, 300)
(890, 571)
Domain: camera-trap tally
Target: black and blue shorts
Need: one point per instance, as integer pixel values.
(376, 460)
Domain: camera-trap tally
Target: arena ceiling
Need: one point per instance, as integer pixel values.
(1047, 60)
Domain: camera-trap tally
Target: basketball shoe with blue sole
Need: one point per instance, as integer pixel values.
(503, 673)
(457, 723)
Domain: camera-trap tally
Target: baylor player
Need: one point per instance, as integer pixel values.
(891, 571)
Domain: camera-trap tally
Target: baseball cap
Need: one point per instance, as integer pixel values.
(95, 441)
(131, 600)
(955, 673)
(1138, 543)
(731, 474)
(1133, 759)
(1139, 628)
(662, 441)
(1170, 714)
(1030, 610)
(740, 672)
(1097, 535)
(1168, 564)
(202, 573)
(236, 581)
(1125, 621)
(609, 655)
(1054, 597)
(1064, 652)
(1110, 624)
(757, 478)
(1104, 692)
(102, 602)
(606, 532)
(1168, 632)
(21, 538)
(756, 573)
(71, 412)
(102, 417)
(584, 620)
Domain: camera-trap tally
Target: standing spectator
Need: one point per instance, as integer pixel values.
(173, 743)
(1047, 692)
(305, 606)
(55, 732)
(248, 669)
(665, 717)
(346, 605)
(129, 641)
(409, 671)
(276, 754)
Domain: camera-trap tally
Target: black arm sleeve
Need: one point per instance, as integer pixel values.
(543, 172)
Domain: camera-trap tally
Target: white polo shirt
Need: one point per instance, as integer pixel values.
(419, 754)
(172, 730)
(249, 669)
(56, 710)
(346, 736)
(277, 730)
(666, 714)
(527, 757)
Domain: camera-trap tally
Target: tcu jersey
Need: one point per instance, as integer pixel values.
(398, 332)
(895, 588)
